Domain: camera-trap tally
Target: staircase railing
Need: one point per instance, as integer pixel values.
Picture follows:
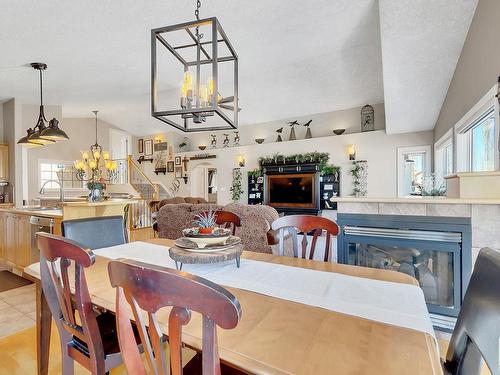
(140, 182)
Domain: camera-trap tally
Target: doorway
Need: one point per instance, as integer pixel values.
(203, 179)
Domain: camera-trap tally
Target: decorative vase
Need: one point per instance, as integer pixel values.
(95, 195)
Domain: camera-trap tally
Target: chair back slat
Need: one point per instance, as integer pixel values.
(476, 334)
(227, 219)
(179, 316)
(306, 224)
(131, 356)
(149, 288)
(56, 256)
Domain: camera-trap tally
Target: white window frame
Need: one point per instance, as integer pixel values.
(439, 153)
(401, 151)
(55, 191)
(462, 146)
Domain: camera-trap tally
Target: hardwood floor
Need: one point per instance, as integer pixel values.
(18, 355)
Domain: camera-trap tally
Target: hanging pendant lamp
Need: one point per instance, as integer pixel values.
(205, 103)
(41, 134)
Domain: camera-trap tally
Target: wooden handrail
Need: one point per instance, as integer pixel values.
(133, 164)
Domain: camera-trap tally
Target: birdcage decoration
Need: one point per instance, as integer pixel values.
(367, 118)
(207, 69)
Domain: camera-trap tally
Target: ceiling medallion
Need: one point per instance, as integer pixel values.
(41, 134)
(205, 54)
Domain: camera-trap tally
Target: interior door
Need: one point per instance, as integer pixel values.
(120, 144)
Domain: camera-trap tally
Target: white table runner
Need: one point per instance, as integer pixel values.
(393, 303)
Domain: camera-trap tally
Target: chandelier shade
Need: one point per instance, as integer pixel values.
(199, 55)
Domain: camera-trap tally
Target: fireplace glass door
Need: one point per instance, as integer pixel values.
(433, 261)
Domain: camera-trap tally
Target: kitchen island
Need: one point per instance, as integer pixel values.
(18, 226)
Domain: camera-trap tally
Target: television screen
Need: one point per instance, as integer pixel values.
(292, 190)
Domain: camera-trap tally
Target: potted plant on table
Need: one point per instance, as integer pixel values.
(206, 221)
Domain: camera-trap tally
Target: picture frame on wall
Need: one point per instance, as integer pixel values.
(170, 166)
(140, 146)
(178, 160)
(161, 146)
(148, 147)
(178, 172)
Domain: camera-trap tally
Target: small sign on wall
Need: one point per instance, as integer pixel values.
(161, 146)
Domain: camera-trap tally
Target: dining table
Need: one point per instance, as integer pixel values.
(278, 335)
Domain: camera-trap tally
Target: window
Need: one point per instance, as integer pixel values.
(482, 151)
(477, 136)
(443, 156)
(61, 171)
(413, 164)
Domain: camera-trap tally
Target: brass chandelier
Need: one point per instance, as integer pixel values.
(202, 48)
(41, 134)
(95, 166)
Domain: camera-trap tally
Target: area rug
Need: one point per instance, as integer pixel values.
(9, 281)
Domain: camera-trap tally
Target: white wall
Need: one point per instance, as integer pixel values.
(378, 148)
(322, 125)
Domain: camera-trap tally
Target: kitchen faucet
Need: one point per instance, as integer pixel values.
(61, 191)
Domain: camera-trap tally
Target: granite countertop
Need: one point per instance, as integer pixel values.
(415, 200)
(34, 211)
(108, 202)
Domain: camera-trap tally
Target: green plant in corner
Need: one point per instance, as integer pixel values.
(236, 189)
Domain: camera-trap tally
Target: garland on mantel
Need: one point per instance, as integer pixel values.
(309, 157)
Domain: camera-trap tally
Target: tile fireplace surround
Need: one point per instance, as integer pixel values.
(484, 213)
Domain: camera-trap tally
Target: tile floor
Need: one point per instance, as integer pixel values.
(17, 310)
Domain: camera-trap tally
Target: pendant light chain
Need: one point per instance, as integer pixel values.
(197, 14)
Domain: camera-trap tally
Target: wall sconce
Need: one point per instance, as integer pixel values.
(158, 139)
(241, 161)
(351, 151)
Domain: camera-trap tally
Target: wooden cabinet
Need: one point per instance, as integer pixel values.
(2, 234)
(15, 240)
(23, 241)
(4, 162)
(10, 238)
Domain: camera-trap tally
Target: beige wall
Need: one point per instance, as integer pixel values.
(477, 69)
(11, 133)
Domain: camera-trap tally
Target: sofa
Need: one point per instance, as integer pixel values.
(255, 231)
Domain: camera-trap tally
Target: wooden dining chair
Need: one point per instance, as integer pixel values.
(149, 288)
(89, 338)
(305, 224)
(227, 219)
(476, 336)
(96, 232)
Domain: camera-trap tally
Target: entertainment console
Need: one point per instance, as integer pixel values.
(292, 188)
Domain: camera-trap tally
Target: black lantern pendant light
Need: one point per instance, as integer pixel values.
(40, 134)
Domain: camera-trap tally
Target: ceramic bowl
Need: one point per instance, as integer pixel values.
(259, 140)
(338, 131)
(202, 147)
(203, 242)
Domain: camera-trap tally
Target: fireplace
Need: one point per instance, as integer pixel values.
(292, 189)
(436, 251)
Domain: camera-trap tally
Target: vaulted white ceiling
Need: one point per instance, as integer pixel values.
(296, 57)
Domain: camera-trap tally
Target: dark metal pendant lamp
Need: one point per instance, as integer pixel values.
(204, 52)
(41, 134)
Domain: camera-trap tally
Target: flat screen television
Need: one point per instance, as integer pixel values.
(291, 190)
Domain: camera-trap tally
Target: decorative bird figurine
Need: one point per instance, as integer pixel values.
(292, 131)
(279, 131)
(225, 142)
(236, 138)
(308, 131)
